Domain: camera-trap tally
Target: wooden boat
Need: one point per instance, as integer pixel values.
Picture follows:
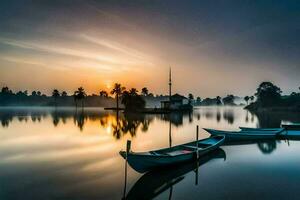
(292, 135)
(293, 126)
(147, 161)
(245, 135)
(156, 182)
(260, 129)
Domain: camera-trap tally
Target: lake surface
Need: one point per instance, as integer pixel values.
(48, 153)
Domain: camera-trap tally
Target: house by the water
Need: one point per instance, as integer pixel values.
(176, 102)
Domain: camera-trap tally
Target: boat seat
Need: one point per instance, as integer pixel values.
(178, 152)
(191, 147)
(154, 153)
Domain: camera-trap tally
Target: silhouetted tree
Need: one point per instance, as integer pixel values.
(132, 100)
(80, 95)
(117, 91)
(75, 99)
(198, 100)
(251, 98)
(229, 100)
(6, 90)
(191, 98)
(151, 95)
(268, 94)
(218, 99)
(33, 93)
(55, 95)
(64, 94)
(103, 93)
(133, 92)
(145, 91)
(246, 98)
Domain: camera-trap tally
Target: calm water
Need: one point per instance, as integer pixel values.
(64, 154)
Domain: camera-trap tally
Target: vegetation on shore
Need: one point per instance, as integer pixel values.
(268, 97)
(130, 100)
(36, 98)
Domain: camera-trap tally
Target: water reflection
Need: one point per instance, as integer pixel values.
(120, 123)
(265, 146)
(70, 154)
(229, 116)
(153, 183)
(176, 119)
(274, 118)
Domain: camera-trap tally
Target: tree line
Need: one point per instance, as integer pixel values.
(130, 99)
(269, 95)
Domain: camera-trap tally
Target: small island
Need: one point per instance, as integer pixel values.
(269, 98)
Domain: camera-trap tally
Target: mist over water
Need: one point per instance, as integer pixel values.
(48, 153)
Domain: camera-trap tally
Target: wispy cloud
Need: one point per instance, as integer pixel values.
(22, 60)
(56, 49)
(118, 47)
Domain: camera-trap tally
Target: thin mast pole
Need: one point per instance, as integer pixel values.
(170, 84)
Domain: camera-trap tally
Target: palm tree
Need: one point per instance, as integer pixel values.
(55, 95)
(80, 94)
(198, 100)
(132, 101)
(246, 98)
(145, 91)
(218, 98)
(117, 90)
(191, 98)
(133, 92)
(64, 94)
(103, 93)
(75, 99)
(33, 93)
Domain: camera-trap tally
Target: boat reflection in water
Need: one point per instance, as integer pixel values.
(155, 182)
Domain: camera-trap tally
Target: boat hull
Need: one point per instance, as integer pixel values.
(158, 181)
(261, 129)
(143, 163)
(245, 135)
(291, 126)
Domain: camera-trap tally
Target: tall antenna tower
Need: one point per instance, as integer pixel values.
(170, 84)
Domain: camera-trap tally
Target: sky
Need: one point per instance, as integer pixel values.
(213, 47)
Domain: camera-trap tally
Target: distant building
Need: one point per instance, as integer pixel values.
(177, 102)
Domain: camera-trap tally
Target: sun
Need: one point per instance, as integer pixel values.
(108, 85)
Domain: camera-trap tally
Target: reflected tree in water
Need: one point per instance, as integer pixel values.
(208, 115)
(55, 95)
(191, 117)
(198, 116)
(175, 118)
(218, 117)
(80, 95)
(79, 119)
(247, 117)
(5, 120)
(55, 119)
(117, 91)
(267, 147)
(228, 115)
(129, 123)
